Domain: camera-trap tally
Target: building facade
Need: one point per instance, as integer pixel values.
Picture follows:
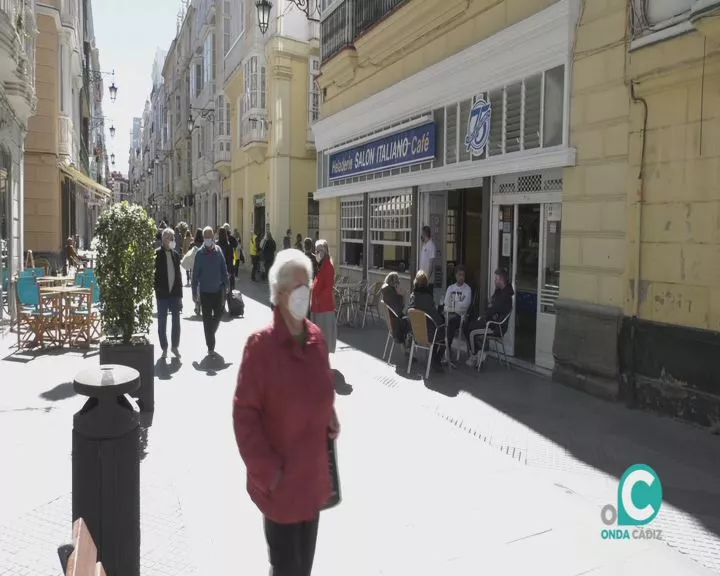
(272, 100)
(408, 138)
(66, 157)
(18, 101)
(639, 313)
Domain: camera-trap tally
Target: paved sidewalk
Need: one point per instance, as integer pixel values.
(426, 488)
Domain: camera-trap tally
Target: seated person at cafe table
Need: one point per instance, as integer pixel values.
(457, 303)
(394, 297)
(422, 299)
(501, 304)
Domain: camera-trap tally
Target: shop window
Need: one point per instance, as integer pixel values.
(391, 231)
(496, 144)
(513, 117)
(533, 107)
(553, 118)
(451, 123)
(352, 226)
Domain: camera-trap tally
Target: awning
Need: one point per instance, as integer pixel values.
(86, 181)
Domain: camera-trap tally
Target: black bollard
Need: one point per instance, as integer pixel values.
(106, 465)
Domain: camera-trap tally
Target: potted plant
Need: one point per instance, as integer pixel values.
(125, 270)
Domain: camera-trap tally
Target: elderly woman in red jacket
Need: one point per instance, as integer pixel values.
(323, 295)
(283, 415)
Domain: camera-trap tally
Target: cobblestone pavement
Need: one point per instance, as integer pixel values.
(456, 477)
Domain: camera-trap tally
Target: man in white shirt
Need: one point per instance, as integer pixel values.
(458, 299)
(427, 256)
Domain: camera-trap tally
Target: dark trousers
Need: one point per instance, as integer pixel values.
(453, 327)
(291, 547)
(231, 276)
(213, 308)
(174, 306)
(439, 349)
(255, 266)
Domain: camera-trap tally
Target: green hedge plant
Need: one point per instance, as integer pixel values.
(125, 238)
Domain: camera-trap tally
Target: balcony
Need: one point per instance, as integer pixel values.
(350, 20)
(254, 129)
(223, 155)
(17, 57)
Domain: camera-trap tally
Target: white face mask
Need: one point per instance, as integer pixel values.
(208, 242)
(299, 302)
(171, 245)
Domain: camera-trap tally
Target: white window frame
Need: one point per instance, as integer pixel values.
(352, 219)
(396, 211)
(227, 119)
(255, 89)
(221, 115)
(313, 90)
(208, 60)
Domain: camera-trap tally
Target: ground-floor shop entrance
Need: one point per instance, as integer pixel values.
(525, 242)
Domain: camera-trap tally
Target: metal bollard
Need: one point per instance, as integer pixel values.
(106, 465)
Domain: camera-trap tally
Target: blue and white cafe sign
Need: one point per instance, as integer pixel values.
(412, 146)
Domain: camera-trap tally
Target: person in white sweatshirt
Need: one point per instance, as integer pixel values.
(458, 299)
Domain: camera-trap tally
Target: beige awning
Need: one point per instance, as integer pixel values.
(86, 181)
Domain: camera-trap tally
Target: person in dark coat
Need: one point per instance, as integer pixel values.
(394, 298)
(309, 249)
(501, 304)
(422, 299)
(168, 291)
(269, 247)
(228, 252)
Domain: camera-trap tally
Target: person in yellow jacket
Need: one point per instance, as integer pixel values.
(254, 256)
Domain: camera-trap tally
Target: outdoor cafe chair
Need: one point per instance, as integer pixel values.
(391, 320)
(369, 301)
(36, 322)
(423, 338)
(493, 336)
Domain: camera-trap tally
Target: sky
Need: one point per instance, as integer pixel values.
(128, 33)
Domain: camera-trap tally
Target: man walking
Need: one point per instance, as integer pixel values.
(168, 291)
(210, 285)
(287, 241)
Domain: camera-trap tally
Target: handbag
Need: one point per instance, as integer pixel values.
(335, 496)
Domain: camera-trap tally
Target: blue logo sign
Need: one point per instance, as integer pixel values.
(478, 131)
(411, 146)
(639, 498)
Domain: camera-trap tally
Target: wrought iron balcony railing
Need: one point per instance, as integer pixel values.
(351, 19)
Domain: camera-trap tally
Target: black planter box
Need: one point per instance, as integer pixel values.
(138, 356)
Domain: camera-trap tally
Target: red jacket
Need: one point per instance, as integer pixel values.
(323, 291)
(283, 408)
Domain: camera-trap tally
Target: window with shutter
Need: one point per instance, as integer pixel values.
(513, 117)
(496, 144)
(533, 107)
(554, 104)
(451, 131)
(221, 115)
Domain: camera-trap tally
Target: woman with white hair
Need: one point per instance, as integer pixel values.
(283, 416)
(323, 295)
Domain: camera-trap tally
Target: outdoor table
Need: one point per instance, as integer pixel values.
(48, 281)
(61, 297)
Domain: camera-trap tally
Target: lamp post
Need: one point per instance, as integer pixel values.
(264, 8)
(95, 76)
(112, 131)
(112, 159)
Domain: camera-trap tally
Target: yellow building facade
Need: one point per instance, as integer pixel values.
(641, 211)
(272, 177)
(592, 180)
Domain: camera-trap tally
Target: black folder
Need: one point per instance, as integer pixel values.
(335, 497)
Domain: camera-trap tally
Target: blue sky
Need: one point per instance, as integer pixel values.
(128, 33)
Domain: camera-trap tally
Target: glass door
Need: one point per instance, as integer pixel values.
(548, 283)
(433, 213)
(504, 256)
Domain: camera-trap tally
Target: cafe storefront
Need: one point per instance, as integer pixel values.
(477, 157)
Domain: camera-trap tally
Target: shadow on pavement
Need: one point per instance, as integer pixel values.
(27, 355)
(342, 388)
(60, 392)
(606, 436)
(212, 365)
(164, 370)
(146, 420)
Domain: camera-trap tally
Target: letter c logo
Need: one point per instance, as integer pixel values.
(639, 496)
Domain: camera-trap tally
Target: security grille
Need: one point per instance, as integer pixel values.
(352, 221)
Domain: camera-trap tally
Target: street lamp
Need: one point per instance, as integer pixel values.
(205, 113)
(112, 131)
(112, 159)
(265, 6)
(113, 91)
(96, 76)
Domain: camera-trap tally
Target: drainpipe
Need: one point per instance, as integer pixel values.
(631, 400)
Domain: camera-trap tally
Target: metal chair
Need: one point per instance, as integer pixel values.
(493, 333)
(421, 338)
(369, 301)
(391, 320)
(39, 322)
